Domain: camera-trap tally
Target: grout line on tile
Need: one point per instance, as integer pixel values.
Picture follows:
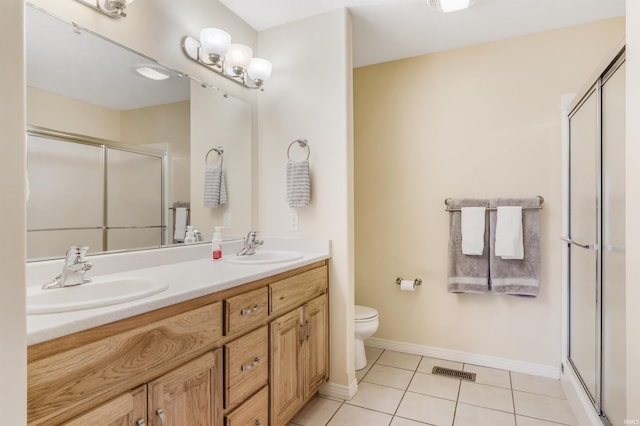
(544, 420)
(513, 400)
(541, 394)
(455, 409)
(334, 414)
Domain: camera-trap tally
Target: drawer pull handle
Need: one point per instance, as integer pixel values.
(249, 311)
(247, 367)
(160, 414)
(257, 422)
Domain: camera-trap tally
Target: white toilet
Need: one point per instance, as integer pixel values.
(366, 324)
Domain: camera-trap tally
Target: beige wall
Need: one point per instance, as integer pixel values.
(309, 97)
(13, 359)
(633, 211)
(53, 111)
(477, 122)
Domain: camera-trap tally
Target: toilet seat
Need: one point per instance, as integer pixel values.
(364, 314)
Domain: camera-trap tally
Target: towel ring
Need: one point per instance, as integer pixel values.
(303, 144)
(219, 150)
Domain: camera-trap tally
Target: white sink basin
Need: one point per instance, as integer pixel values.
(93, 295)
(265, 256)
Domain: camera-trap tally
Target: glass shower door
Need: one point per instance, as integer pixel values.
(614, 378)
(584, 334)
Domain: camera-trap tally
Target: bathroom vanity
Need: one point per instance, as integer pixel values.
(248, 352)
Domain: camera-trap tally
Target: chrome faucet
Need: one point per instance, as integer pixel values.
(73, 270)
(250, 243)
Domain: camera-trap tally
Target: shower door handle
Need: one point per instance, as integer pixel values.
(584, 246)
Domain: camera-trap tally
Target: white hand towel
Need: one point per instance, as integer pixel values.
(180, 223)
(215, 188)
(472, 229)
(298, 183)
(509, 241)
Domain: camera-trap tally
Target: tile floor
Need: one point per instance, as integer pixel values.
(398, 389)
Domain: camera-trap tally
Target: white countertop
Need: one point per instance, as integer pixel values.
(188, 270)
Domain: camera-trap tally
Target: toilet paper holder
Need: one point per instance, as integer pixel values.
(417, 281)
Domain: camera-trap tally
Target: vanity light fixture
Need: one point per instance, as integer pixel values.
(450, 5)
(112, 8)
(233, 61)
(152, 73)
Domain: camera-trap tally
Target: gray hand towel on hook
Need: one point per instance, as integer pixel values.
(298, 183)
(467, 274)
(215, 189)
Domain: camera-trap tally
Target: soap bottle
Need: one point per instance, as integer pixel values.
(216, 243)
(190, 237)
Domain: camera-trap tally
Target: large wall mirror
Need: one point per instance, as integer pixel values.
(115, 158)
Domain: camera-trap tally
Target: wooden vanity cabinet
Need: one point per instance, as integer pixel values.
(299, 358)
(250, 355)
(189, 395)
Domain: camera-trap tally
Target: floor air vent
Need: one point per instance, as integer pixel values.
(458, 374)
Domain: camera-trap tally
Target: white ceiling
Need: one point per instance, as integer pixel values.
(385, 30)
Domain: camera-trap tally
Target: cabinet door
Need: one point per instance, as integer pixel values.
(129, 409)
(316, 351)
(188, 395)
(287, 369)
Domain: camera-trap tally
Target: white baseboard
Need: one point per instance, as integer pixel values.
(578, 399)
(467, 357)
(343, 392)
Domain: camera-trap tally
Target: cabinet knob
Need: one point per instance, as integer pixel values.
(258, 422)
(249, 311)
(140, 422)
(160, 413)
(250, 366)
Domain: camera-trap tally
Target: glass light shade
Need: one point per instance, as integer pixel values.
(238, 57)
(259, 69)
(214, 41)
(454, 5)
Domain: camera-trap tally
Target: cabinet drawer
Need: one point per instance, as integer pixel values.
(246, 366)
(294, 291)
(246, 310)
(254, 412)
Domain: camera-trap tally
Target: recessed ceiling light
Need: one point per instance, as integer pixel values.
(152, 73)
(450, 5)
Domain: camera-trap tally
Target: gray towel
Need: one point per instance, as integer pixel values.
(467, 274)
(298, 183)
(215, 188)
(512, 276)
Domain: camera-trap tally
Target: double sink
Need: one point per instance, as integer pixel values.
(104, 292)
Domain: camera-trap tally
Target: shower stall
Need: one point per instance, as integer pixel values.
(596, 241)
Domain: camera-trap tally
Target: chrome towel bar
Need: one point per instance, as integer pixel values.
(447, 200)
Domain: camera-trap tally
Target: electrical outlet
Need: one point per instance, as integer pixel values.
(226, 220)
(293, 221)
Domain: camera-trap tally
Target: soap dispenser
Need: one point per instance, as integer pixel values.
(216, 243)
(190, 237)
